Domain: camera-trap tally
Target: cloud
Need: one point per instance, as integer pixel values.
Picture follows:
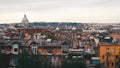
(61, 8)
(108, 3)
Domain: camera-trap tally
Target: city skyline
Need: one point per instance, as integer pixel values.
(98, 11)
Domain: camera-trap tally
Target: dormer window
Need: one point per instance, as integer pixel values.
(15, 48)
(34, 48)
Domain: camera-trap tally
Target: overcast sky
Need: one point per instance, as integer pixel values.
(98, 11)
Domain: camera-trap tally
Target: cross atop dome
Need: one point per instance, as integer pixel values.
(25, 15)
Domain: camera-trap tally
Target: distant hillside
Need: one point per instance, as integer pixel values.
(50, 24)
(56, 24)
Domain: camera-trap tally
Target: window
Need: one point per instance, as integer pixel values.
(108, 50)
(34, 49)
(108, 64)
(116, 63)
(112, 64)
(116, 57)
(112, 49)
(15, 49)
(36, 36)
(102, 56)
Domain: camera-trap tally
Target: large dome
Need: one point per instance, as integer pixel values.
(25, 20)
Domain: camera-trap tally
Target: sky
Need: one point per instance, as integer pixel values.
(86, 11)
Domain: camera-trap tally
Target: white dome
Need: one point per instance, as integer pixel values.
(73, 28)
(25, 20)
(57, 28)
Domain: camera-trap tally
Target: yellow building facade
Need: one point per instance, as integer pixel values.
(109, 55)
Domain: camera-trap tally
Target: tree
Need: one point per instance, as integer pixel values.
(73, 63)
(46, 64)
(29, 61)
(88, 56)
(4, 60)
(118, 64)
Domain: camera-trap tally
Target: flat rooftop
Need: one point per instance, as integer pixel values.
(105, 43)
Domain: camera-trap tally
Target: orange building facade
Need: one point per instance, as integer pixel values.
(109, 55)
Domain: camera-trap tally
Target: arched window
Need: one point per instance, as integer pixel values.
(15, 48)
(34, 48)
